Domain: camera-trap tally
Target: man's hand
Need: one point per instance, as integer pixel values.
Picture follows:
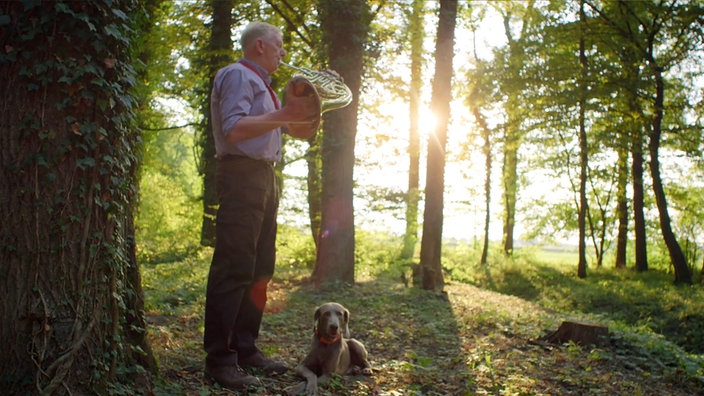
(302, 102)
(302, 107)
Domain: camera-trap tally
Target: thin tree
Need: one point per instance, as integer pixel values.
(417, 35)
(677, 257)
(583, 149)
(512, 86)
(431, 244)
(69, 154)
(475, 100)
(486, 149)
(622, 206)
(345, 26)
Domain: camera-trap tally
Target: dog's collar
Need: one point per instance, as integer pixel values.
(330, 342)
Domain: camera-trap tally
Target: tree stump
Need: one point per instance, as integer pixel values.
(580, 333)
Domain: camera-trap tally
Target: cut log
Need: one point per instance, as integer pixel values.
(580, 333)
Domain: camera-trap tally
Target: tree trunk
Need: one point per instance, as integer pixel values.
(641, 252)
(622, 206)
(313, 181)
(486, 135)
(71, 307)
(218, 54)
(417, 34)
(583, 154)
(345, 29)
(580, 333)
(679, 262)
(512, 129)
(510, 184)
(431, 245)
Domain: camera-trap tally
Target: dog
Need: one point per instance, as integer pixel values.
(332, 351)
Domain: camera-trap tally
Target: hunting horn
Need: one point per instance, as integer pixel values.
(331, 91)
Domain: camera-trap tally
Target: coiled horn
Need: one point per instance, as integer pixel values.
(329, 87)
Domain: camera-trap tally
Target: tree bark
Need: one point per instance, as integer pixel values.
(218, 54)
(72, 320)
(345, 29)
(313, 181)
(431, 244)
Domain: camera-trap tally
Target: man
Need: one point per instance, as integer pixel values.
(248, 122)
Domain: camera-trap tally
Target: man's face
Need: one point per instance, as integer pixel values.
(273, 51)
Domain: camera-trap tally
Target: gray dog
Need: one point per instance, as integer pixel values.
(332, 351)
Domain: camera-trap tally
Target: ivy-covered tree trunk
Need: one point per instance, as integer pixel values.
(345, 30)
(417, 34)
(431, 243)
(218, 54)
(68, 147)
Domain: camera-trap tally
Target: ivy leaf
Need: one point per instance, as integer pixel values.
(113, 30)
(84, 163)
(120, 14)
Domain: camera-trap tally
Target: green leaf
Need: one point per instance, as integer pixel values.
(113, 30)
(84, 163)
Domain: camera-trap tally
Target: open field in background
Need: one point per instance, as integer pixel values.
(481, 337)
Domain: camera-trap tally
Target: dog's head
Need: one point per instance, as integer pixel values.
(331, 320)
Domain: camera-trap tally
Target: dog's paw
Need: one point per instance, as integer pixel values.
(295, 390)
(311, 390)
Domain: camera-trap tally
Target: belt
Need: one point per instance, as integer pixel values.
(235, 157)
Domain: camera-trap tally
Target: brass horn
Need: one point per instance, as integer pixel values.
(327, 87)
(331, 90)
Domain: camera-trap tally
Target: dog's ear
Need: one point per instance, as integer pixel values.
(316, 317)
(346, 316)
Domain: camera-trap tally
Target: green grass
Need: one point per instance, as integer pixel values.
(482, 336)
(623, 297)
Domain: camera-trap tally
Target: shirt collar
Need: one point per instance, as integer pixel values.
(262, 71)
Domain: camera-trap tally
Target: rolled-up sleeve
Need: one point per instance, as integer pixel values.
(239, 92)
(234, 98)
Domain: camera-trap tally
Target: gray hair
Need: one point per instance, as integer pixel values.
(254, 31)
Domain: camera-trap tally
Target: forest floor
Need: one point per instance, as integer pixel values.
(466, 341)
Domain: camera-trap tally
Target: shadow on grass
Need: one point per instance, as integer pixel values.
(411, 335)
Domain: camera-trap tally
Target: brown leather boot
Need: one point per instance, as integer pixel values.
(259, 361)
(230, 377)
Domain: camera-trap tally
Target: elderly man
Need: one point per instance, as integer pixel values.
(248, 122)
